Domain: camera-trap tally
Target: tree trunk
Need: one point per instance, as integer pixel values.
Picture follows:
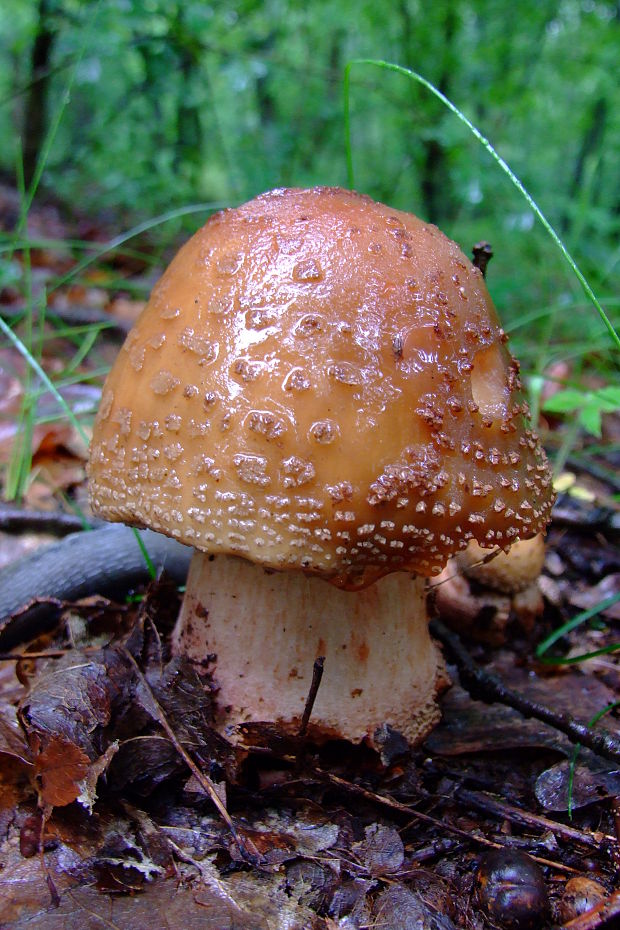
(435, 183)
(35, 116)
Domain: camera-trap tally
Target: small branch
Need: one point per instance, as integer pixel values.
(48, 654)
(15, 520)
(250, 855)
(487, 687)
(317, 675)
(483, 253)
(496, 807)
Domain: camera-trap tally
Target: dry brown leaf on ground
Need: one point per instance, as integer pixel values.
(61, 766)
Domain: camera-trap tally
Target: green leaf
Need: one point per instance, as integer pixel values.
(609, 398)
(565, 401)
(590, 419)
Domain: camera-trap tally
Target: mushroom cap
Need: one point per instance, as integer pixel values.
(320, 382)
(508, 572)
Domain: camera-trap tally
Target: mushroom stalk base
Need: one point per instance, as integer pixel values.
(259, 633)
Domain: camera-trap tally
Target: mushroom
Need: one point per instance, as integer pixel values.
(481, 592)
(318, 399)
(510, 572)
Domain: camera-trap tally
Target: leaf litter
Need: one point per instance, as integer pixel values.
(111, 825)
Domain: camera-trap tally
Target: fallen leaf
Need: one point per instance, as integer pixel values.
(61, 766)
(590, 783)
(69, 699)
(401, 909)
(382, 850)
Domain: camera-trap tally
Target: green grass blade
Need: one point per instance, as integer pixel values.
(582, 617)
(49, 384)
(575, 660)
(119, 240)
(414, 76)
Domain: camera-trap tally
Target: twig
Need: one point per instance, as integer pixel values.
(496, 807)
(47, 654)
(15, 519)
(483, 253)
(74, 316)
(443, 825)
(317, 675)
(438, 847)
(487, 687)
(250, 855)
(601, 915)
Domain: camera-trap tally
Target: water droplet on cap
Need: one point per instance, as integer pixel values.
(169, 313)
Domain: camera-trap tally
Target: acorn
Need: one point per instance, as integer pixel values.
(511, 889)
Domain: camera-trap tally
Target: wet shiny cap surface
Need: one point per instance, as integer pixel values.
(320, 382)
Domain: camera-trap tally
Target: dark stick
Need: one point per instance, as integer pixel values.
(500, 809)
(487, 687)
(483, 253)
(15, 519)
(317, 675)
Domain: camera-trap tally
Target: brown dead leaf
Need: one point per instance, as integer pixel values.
(164, 907)
(469, 726)
(382, 850)
(558, 786)
(61, 766)
(15, 764)
(70, 699)
(53, 471)
(400, 909)
(12, 740)
(63, 716)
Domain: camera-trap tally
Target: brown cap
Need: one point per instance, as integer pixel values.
(320, 382)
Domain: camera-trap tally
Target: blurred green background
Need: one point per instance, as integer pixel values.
(173, 103)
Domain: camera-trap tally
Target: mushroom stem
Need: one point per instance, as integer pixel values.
(261, 632)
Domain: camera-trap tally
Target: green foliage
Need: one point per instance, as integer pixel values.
(588, 405)
(180, 100)
(177, 102)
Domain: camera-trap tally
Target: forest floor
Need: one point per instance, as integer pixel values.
(109, 764)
